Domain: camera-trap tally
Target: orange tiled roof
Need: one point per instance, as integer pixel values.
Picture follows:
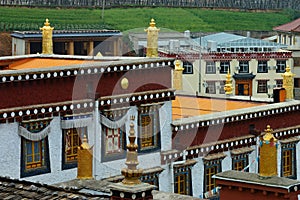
(189, 106)
(288, 27)
(29, 63)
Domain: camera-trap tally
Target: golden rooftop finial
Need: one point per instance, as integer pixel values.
(131, 173)
(152, 23)
(288, 83)
(47, 42)
(47, 23)
(152, 40)
(228, 84)
(268, 136)
(85, 160)
(177, 75)
(268, 154)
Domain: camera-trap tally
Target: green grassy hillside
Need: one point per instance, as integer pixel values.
(177, 19)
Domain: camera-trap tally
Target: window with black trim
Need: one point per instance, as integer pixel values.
(262, 86)
(224, 67)
(211, 167)
(149, 128)
(35, 157)
(221, 87)
(210, 67)
(279, 83)
(262, 66)
(188, 67)
(114, 140)
(151, 178)
(183, 180)
(211, 87)
(240, 162)
(288, 160)
(280, 66)
(71, 142)
(244, 66)
(114, 136)
(34, 147)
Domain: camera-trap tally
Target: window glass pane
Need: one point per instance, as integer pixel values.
(224, 66)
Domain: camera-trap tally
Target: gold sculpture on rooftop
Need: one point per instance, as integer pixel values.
(47, 44)
(288, 83)
(177, 78)
(228, 84)
(132, 174)
(85, 160)
(152, 40)
(268, 154)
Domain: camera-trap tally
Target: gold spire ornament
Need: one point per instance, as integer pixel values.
(268, 154)
(288, 83)
(152, 40)
(132, 174)
(177, 79)
(47, 42)
(228, 84)
(85, 160)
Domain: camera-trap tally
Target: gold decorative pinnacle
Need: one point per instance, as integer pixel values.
(47, 23)
(268, 154)
(47, 43)
(152, 40)
(132, 174)
(178, 65)
(268, 136)
(288, 82)
(85, 144)
(152, 23)
(228, 84)
(85, 160)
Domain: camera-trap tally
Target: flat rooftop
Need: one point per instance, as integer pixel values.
(252, 178)
(30, 63)
(190, 106)
(40, 61)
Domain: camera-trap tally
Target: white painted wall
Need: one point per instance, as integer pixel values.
(10, 154)
(19, 44)
(165, 119)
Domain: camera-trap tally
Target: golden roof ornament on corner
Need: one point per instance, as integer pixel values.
(268, 136)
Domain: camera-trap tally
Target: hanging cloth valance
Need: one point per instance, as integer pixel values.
(34, 136)
(76, 123)
(116, 124)
(113, 124)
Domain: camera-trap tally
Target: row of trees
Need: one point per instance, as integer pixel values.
(235, 4)
(8, 27)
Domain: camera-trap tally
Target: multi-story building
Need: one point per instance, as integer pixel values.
(255, 65)
(289, 35)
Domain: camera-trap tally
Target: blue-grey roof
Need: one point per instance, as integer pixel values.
(67, 33)
(227, 40)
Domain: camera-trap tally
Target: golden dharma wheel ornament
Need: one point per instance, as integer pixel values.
(124, 83)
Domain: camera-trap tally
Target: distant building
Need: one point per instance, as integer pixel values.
(69, 42)
(255, 65)
(289, 35)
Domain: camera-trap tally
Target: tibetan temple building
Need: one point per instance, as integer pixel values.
(116, 110)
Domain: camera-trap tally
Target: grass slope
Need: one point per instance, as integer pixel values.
(177, 19)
